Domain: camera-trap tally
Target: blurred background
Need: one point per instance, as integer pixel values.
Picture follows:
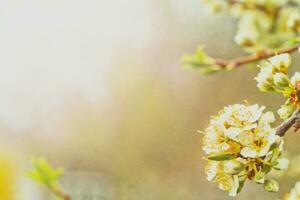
(97, 87)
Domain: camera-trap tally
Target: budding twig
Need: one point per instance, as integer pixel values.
(237, 62)
(286, 125)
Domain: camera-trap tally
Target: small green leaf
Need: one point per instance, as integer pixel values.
(221, 156)
(44, 173)
(292, 41)
(200, 61)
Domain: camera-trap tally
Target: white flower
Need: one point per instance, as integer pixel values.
(214, 140)
(266, 119)
(215, 172)
(270, 139)
(248, 152)
(232, 132)
(211, 170)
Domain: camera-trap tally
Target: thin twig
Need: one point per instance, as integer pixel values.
(60, 193)
(286, 125)
(237, 62)
(63, 195)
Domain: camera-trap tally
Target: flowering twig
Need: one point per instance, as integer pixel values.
(49, 176)
(237, 62)
(286, 125)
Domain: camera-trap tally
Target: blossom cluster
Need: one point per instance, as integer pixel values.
(262, 24)
(240, 144)
(273, 77)
(294, 193)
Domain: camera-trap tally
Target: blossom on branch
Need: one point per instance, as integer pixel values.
(241, 144)
(273, 78)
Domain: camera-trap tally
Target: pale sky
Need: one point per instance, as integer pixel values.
(51, 51)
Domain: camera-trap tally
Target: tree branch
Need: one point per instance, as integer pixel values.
(60, 193)
(286, 125)
(237, 62)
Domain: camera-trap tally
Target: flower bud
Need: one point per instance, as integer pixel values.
(271, 186)
(281, 62)
(281, 164)
(244, 41)
(281, 80)
(285, 111)
(214, 5)
(294, 20)
(264, 79)
(265, 87)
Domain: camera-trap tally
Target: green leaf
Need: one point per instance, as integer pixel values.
(221, 156)
(292, 41)
(210, 69)
(44, 173)
(200, 61)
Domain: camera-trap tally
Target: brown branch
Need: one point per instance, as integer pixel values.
(237, 62)
(58, 192)
(286, 125)
(63, 195)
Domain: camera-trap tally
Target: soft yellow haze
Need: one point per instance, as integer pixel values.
(9, 175)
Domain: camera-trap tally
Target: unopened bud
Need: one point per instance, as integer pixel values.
(265, 87)
(281, 164)
(281, 62)
(264, 78)
(281, 80)
(285, 111)
(271, 186)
